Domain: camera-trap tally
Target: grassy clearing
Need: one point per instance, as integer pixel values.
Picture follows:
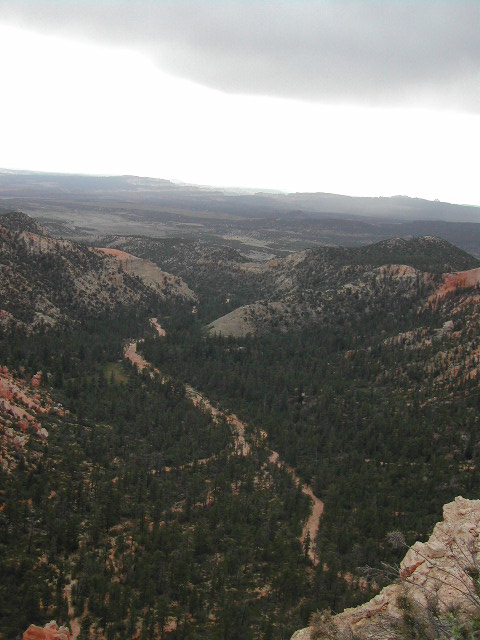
(115, 371)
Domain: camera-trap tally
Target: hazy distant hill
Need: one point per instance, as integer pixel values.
(215, 200)
(258, 224)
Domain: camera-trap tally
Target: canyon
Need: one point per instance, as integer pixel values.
(161, 477)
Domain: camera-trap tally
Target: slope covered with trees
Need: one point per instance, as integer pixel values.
(138, 517)
(373, 401)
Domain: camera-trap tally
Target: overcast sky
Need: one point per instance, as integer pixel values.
(362, 98)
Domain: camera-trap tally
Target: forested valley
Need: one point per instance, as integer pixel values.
(136, 516)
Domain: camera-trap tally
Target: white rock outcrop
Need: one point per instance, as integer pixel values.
(439, 571)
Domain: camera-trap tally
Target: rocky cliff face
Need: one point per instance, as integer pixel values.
(459, 280)
(440, 573)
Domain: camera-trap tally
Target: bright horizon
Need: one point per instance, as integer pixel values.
(91, 107)
(239, 188)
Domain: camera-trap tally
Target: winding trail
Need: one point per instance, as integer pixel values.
(73, 621)
(311, 526)
(242, 446)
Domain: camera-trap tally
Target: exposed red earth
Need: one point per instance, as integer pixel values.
(74, 622)
(22, 405)
(130, 352)
(51, 631)
(454, 281)
(158, 328)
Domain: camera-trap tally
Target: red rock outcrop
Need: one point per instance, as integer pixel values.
(36, 380)
(440, 569)
(22, 406)
(454, 281)
(51, 631)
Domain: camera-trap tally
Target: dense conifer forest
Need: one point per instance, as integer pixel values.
(137, 517)
(118, 505)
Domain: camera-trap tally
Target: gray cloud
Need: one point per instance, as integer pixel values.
(405, 52)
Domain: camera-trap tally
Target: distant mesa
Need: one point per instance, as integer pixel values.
(42, 188)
